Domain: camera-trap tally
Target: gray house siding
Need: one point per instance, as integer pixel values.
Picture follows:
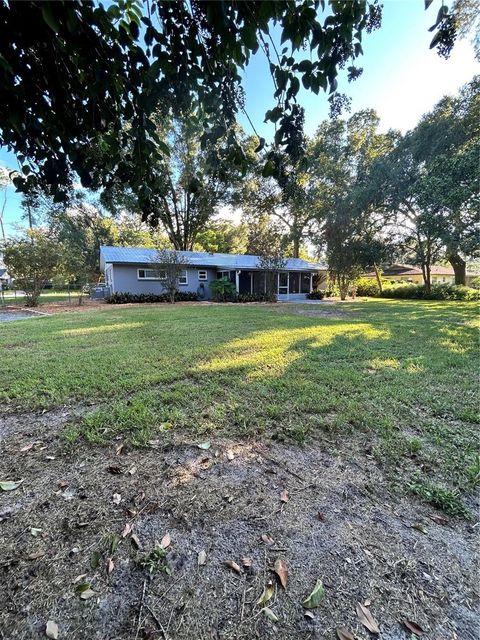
(123, 278)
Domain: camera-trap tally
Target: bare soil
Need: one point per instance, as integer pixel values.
(342, 523)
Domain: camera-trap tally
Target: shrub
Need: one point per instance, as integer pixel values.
(438, 292)
(316, 295)
(223, 290)
(125, 298)
(367, 287)
(251, 297)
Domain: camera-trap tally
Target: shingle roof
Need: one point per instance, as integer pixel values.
(139, 255)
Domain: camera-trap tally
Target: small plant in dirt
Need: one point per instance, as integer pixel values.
(439, 497)
(155, 561)
(473, 472)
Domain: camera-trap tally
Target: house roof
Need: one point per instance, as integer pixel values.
(409, 270)
(140, 255)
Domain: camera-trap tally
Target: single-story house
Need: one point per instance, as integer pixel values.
(409, 273)
(4, 276)
(132, 270)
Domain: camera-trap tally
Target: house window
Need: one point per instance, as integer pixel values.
(151, 274)
(183, 277)
(202, 274)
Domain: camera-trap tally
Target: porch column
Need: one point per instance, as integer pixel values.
(237, 280)
(251, 281)
(311, 282)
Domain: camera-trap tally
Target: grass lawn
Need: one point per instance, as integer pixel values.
(402, 372)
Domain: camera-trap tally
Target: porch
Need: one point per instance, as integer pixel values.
(291, 285)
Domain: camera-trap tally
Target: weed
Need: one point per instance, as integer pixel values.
(156, 560)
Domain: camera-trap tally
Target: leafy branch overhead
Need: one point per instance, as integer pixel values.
(80, 81)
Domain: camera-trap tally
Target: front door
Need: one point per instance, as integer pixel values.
(294, 286)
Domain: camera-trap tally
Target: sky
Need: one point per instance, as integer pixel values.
(402, 80)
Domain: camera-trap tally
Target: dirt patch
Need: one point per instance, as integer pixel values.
(341, 524)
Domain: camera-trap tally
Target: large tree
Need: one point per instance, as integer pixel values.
(80, 81)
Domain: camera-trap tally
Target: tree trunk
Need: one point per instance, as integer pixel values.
(378, 277)
(459, 267)
(427, 277)
(296, 247)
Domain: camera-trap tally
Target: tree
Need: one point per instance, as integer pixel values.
(80, 81)
(33, 261)
(223, 236)
(170, 265)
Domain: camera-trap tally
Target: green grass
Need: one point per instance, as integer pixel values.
(401, 374)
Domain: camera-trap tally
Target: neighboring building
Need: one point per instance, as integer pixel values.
(4, 277)
(131, 270)
(408, 273)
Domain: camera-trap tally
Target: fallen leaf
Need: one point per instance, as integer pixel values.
(309, 614)
(87, 594)
(9, 485)
(344, 634)
(269, 614)
(413, 627)
(165, 541)
(110, 566)
(136, 541)
(438, 519)
(281, 570)
(115, 469)
(119, 449)
(117, 498)
(204, 445)
(247, 562)
(367, 603)
(35, 531)
(80, 577)
(419, 527)
(95, 560)
(315, 597)
(233, 565)
(51, 630)
(62, 484)
(267, 539)
(27, 447)
(367, 619)
(284, 495)
(267, 593)
(132, 471)
(202, 558)
(230, 455)
(49, 457)
(126, 530)
(83, 586)
(35, 555)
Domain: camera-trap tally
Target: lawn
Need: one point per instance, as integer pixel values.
(404, 373)
(48, 297)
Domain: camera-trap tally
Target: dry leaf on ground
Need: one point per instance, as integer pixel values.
(284, 495)
(165, 541)
(117, 498)
(230, 455)
(247, 562)
(267, 539)
(267, 593)
(202, 558)
(269, 614)
(10, 485)
(344, 634)
(367, 619)
(126, 530)
(110, 566)
(51, 630)
(281, 570)
(87, 594)
(233, 565)
(136, 541)
(413, 627)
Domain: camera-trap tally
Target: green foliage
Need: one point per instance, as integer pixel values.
(319, 294)
(437, 292)
(251, 297)
(223, 290)
(126, 298)
(439, 497)
(156, 560)
(367, 287)
(105, 104)
(34, 260)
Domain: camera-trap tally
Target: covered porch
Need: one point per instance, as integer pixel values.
(291, 285)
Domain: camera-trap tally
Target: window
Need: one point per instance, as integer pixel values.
(183, 277)
(202, 274)
(150, 274)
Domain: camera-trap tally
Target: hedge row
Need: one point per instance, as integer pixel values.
(437, 292)
(125, 298)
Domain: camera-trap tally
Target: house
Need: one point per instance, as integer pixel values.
(4, 277)
(409, 273)
(132, 270)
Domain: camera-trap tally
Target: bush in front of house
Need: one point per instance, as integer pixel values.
(223, 290)
(367, 287)
(437, 292)
(126, 298)
(251, 297)
(316, 295)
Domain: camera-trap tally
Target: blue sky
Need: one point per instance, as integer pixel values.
(402, 79)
